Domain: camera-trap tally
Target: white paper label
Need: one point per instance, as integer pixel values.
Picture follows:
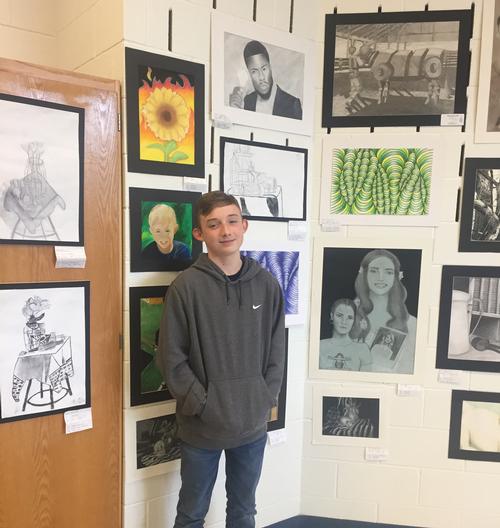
(297, 230)
(277, 437)
(195, 186)
(221, 121)
(70, 256)
(330, 225)
(376, 453)
(78, 420)
(452, 119)
(409, 390)
(449, 376)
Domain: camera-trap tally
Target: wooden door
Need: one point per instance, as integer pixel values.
(49, 479)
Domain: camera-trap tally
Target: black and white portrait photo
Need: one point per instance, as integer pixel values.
(41, 172)
(259, 75)
(44, 366)
(390, 65)
(480, 212)
(475, 426)
(469, 319)
(269, 181)
(369, 309)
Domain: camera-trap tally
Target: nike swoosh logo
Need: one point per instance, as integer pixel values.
(255, 307)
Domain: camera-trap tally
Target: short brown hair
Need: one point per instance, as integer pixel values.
(209, 201)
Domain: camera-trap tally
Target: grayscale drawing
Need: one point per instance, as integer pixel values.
(486, 212)
(394, 69)
(268, 180)
(493, 123)
(246, 183)
(41, 172)
(32, 199)
(44, 365)
(46, 359)
(355, 417)
(157, 441)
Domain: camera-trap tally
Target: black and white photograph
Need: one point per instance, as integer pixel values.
(480, 211)
(475, 426)
(260, 76)
(387, 69)
(278, 413)
(488, 100)
(349, 416)
(269, 181)
(157, 441)
(45, 365)
(368, 320)
(469, 319)
(41, 172)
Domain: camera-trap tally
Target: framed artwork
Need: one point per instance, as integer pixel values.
(480, 212)
(475, 426)
(146, 381)
(391, 69)
(261, 77)
(269, 181)
(278, 413)
(45, 363)
(469, 319)
(161, 225)
(488, 97)
(41, 172)
(349, 416)
(165, 114)
(151, 444)
(378, 178)
(287, 263)
(371, 309)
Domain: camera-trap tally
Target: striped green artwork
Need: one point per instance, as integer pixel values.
(383, 181)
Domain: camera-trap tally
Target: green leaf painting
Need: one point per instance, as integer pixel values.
(381, 181)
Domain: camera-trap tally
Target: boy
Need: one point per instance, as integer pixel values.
(222, 354)
(163, 226)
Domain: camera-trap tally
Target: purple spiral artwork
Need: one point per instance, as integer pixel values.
(284, 266)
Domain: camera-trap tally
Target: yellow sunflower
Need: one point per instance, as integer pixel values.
(166, 114)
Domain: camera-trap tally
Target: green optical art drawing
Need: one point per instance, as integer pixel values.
(383, 181)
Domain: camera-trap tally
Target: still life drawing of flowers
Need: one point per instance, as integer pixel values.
(166, 116)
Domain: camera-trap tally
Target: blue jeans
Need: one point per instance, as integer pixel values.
(198, 473)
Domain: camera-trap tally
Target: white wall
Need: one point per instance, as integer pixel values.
(151, 503)
(417, 485)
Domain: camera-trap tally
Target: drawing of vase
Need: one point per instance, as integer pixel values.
(459, 324)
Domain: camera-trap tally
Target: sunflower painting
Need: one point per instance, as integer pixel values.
(165, 112)
(166, 116)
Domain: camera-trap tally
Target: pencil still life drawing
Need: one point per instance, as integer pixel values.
(474, 426)
(268, 180)
(41, 172)
(49, 372)
(469, 319)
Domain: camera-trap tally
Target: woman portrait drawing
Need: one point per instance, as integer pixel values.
(369, 287)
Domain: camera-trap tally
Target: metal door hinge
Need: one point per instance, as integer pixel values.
(119, 122)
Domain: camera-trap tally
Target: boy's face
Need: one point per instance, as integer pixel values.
(222, 231)
(163, 234)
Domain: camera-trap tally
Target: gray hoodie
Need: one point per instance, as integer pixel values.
(222, 352)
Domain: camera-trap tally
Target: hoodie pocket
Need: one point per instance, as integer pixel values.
(236, 407)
